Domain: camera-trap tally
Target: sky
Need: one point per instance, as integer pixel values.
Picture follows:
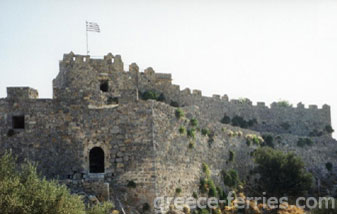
(265, 50)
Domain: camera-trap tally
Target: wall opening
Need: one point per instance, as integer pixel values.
(96, 160)
(104, 86)
(18, 122)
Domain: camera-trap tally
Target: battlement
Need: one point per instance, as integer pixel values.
(103, 81)
(22, 93)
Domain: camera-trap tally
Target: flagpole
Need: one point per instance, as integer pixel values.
(86, 31)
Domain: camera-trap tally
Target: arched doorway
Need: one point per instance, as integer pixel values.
(96, 160)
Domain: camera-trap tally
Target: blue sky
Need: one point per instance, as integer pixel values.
(264, 50)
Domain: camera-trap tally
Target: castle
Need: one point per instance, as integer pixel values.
(97, 127)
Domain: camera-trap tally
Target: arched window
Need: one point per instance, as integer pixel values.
(96, 160)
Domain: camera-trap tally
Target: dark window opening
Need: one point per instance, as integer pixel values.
(104, 86)
(96, 160)
(18, 122)
(112, 100)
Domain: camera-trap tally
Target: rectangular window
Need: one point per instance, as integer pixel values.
(18, 122)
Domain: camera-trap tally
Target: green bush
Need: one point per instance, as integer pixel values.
(239, 121)
(231, 178)
(179, 113)
(329, 129)
(206, 170)
(315, 133)
(231, 156)
(191, 145)
(205, 132)
(212, 192)
(174, 104)
(268, 140)
(150, 95)
(304, 142)
(328, 166)
(284, 103)
(281, 174)
(178, 190)
(191, 133)
(194, 122)
(131, 184)
(22, 191)
(182, 130)
(225, 119)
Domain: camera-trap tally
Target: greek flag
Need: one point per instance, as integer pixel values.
(93, 27)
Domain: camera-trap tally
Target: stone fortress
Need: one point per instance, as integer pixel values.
(96, 133)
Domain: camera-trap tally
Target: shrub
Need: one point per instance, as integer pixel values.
(182, 130)
(191, 133)
(212, 192)
(178, 190)
(304, 142)
(205, 132)
(284, 103)
(239, 121)
(225, 119)
(252, 138)
(231, 156)
(204, 211)
(281, 174)
(23, 191)
(131, 184)
(328, 166)
(206, 170)
(195, 195)
(191, 145)
(315, 133)
(150, 95)
(231, 178)
(252, 122)
(179, 113)
(194, 122)
(174, 104)
(268, 140)
(329, 129)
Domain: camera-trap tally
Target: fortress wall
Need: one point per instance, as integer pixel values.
(302, 120)
(178, 166)
(59, 136)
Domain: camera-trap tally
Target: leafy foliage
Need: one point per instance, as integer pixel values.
(23, 191)
(225, 119)
(281, 173)
(191, 133)
(182, 130)
(304, 142)
(179, 113)
(231, 178)
(284, 103)
(268, 140)
(329, 129)
(194, 122)
(328, 166)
